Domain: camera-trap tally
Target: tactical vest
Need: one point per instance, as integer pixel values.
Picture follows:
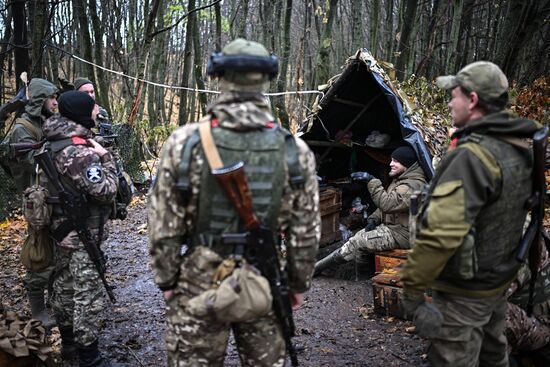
(98, 213)
(498, 227)
(264, 153)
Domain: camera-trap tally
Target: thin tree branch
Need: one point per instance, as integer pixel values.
(183, 17)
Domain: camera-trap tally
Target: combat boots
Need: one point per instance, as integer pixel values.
(364, 266)
(68, 344)
(89, 356)
(38, 308)
(335, 258)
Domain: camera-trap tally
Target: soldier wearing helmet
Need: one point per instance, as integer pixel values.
(189, 213)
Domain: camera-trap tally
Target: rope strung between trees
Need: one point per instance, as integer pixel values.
(161, 85)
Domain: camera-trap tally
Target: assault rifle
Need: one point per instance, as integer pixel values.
(531, 240)
(261, 249)
(17, 149)
(106, 135)
(75, 207)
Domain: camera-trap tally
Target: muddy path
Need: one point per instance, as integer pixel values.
(335, 326)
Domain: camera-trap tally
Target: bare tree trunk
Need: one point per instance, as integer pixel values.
(403, 49)
(281, 81)
(38, 29)
(323, 69)
(183, 111)
(79, 8)
(373, 26)
(22, 61)
(102, 85)
(197, 62)
(356, 25)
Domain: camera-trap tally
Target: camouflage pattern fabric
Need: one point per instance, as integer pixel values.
(202, 342)
(472, 332)
(393, 203)
(38, 281)
(77, 298)
(524, 332)
(170, 222)
(379, 239)
(77, 289)
(86, 172)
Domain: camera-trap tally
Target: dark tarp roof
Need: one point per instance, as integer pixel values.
(357, 102)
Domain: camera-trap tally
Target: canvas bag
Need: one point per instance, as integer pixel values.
(36, 210)
(37, 251)
(243, 296)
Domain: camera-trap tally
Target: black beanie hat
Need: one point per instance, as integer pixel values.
(404, 155)
(77, 106)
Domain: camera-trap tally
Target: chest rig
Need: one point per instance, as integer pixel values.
(265, 152)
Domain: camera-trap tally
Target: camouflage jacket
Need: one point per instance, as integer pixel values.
(84, 171)
(22, 167)
(170, 222)
(393, 203)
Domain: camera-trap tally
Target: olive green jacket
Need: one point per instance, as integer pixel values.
(467, 182)
(393, 203)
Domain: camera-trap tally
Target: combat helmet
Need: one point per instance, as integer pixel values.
(240, 59)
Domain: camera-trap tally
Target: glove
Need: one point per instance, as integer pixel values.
(362, 176)
(371, 224)
(425, 316)
(428, 320)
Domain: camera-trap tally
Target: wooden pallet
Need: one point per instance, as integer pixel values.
(387, 288)
(330, 204)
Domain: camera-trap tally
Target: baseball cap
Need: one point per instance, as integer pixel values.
(482, 77)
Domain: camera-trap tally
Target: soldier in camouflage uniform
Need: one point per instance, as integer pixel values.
(470, 226)
(388, 227)
(530, 333)
(28, 129)
(88, 168)
(199, 215)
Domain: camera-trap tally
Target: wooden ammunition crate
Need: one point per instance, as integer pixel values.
(390, 260)
(388, 298)
(387, 289)
(330, 204)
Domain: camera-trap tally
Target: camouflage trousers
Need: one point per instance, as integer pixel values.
(193, 341)
(524, 332)
(472, 332)
(36, 281)
(77, 294)
(379, 239)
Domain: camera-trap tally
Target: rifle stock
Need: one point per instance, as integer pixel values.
(76, 209)
(531, 241)
(262, 251)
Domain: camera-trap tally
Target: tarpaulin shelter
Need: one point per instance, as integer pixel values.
(358, 104)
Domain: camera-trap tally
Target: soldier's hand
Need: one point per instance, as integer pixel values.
(361, 176)
(371, 224)
(428, 320)
(296, 299)
(97, 148)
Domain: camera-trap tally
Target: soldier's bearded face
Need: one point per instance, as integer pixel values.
(50, 106)
(396, 168)
(88, 88)
(460, 107)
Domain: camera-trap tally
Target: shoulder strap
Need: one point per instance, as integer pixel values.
(209, 147)
(30, 127)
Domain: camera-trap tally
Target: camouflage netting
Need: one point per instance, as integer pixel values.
(9, 200)
(129, 150)
(23, 342)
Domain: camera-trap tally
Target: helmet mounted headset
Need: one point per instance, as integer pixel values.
(219, 63)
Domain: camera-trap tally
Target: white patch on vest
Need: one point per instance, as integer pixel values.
(94, 174)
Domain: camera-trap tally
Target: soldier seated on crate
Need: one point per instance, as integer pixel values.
(388, 227)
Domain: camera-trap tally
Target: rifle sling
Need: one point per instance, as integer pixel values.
(209, 147)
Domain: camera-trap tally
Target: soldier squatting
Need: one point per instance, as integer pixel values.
(231, 184)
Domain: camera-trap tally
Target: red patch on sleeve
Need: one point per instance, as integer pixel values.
(453, 143)
(214, 122)
(77, 140)
(270, 125)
